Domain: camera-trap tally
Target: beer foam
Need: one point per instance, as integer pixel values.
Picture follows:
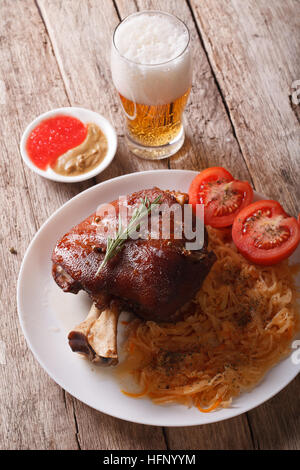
(150, 61)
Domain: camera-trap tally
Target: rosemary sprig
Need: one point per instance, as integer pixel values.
(114, 245)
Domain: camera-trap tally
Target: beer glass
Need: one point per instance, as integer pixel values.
(152, 72)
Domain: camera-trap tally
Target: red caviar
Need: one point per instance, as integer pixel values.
(53, 137)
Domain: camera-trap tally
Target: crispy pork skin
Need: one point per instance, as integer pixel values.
(153, 278)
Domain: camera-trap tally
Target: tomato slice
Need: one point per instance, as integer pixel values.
(223, 196)
(264, 233)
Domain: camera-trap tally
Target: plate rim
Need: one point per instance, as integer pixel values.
(235, 412)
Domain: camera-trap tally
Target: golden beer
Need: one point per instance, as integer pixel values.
(151, 70)
(154, 125)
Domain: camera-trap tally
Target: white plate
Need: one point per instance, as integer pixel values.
(86, 116)
(47, 314)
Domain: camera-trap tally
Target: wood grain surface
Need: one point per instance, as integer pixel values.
(240, 115)
(253, 56)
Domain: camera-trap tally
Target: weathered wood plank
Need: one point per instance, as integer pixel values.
(98, 431)
(33, 412)
(275, 425)
(81, 33)
(252, 46)
(232, 434)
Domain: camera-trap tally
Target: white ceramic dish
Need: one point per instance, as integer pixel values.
(47, 314)
(86, 116)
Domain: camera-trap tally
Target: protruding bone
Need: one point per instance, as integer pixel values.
(96, 336)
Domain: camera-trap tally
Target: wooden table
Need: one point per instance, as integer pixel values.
(241, 115)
